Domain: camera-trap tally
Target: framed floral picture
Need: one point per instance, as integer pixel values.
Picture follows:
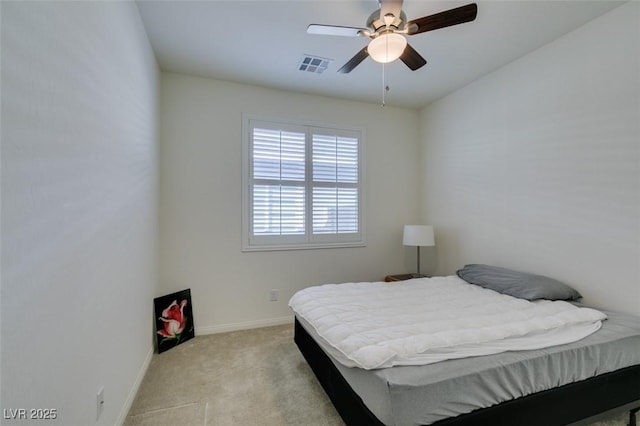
(174, 319)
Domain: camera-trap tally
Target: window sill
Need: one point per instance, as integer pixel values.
(303, 246)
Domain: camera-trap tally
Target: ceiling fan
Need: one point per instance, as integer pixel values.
(387, 27)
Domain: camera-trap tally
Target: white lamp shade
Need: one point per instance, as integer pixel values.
(387, 47)
(418, 235)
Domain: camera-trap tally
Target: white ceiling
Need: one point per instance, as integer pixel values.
(262, 42)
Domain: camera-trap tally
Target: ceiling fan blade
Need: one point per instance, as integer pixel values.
(444, 19)
(355, 61)
(412, 58)
(335, 30)
(393, 7)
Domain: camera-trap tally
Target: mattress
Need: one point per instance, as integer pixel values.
(413, 395)
(422, 321)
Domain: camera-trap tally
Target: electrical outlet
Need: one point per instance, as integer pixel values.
(274, 295)
(99, 402)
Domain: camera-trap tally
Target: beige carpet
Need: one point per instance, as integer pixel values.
(250, 377)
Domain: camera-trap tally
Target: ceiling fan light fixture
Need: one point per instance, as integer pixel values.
(387, 47)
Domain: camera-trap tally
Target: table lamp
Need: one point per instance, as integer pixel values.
(418, 235)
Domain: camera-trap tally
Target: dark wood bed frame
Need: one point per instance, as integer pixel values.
(559, 406)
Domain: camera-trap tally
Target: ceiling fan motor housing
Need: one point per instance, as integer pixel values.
(377, 22)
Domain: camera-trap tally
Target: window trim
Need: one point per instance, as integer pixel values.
(307, 241)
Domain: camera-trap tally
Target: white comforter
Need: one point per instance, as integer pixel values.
(422, 321)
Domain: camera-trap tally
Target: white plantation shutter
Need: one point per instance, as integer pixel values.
(303, 186)
(335, 210)
(335, 184)
(278, 210)
(278, 174)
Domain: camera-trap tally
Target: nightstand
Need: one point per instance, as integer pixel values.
(402, 277)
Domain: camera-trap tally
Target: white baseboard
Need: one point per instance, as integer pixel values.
(223, 328)
(134, 389)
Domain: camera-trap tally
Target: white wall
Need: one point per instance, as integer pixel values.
(537, 165)
(79, 207)
(201, 139)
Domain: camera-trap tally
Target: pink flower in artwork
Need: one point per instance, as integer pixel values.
(174, 320)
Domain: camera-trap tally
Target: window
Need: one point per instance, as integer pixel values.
(302, 186)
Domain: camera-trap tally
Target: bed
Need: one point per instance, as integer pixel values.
(559, 384)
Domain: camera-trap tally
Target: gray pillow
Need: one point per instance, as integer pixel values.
(517, 284)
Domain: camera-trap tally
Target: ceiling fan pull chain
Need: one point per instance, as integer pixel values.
(383, 85)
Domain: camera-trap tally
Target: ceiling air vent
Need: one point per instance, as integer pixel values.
(314, 64)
